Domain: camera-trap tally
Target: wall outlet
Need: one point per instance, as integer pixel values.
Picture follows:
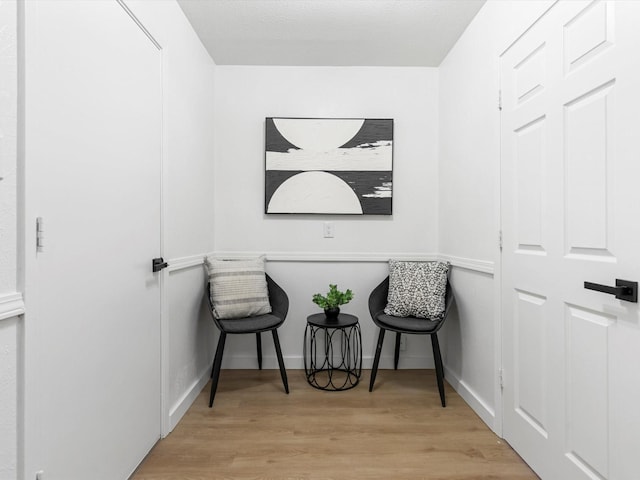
(403, 343)
(329, 229)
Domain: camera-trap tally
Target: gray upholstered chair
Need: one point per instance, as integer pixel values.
(258, 324)
(406, 325)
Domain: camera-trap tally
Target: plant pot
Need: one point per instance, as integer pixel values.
(332, 313)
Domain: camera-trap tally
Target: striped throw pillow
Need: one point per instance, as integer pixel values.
(238, 288)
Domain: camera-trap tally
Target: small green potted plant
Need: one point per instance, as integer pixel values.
(332, 301)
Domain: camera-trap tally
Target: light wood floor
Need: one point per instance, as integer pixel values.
(400, 431)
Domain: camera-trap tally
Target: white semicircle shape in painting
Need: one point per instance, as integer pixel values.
(318, 134)
(314, 192)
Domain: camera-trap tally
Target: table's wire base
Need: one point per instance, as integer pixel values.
(333, 356)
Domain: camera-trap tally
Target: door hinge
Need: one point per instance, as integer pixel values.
(39, 234)
(500, 100)
(500, 239)
(500, 379)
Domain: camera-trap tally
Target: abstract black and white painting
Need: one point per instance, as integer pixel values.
(328, 165)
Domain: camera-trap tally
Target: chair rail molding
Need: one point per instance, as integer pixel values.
(347, 257)
(11, 305)
(182, 263)
(472, 264)
(481, 266)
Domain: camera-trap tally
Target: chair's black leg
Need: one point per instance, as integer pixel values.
(396, 356)
(213, 365)
(217, 362)
(283, 372)
(376, 360)
(259, 347)
(439, 368)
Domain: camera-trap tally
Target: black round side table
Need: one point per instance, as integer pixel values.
(332, 351)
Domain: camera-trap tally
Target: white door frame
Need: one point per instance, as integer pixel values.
(165, 420)
(539, 10)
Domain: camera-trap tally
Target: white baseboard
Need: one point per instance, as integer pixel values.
(296, 362)
(181, 406)
(269, 362)
(484, 411)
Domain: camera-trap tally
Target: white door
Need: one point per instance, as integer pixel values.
(570, 206)
(93, 158)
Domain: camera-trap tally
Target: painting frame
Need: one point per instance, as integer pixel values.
(328, 166)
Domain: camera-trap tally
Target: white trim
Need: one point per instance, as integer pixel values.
(407, 362)
(269, 362)
(182, 263)
(482, 266)
(11, 305)
(479, 406)
(348, 257)
(140, 25)
(296, 362)
(497, 278)
(178, 410)
(544, 6)
(165, 343)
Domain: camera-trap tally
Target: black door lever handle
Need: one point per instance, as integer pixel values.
(158, 264)
(624, 289)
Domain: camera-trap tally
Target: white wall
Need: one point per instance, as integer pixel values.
(301, 260)
(11, 304)
(469, 197)
(8, 143)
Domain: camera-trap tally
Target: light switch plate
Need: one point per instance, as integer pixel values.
(329, 230)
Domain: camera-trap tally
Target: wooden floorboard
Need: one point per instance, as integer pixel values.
(399, 431)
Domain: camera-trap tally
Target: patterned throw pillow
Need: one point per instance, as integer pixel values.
(417, 289)
(238, 288)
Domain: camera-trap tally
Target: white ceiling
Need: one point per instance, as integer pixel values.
(330, 32)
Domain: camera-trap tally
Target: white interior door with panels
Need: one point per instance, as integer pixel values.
(93, 174)
(570, 198)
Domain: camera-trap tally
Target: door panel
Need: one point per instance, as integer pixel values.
(530, 381)
(93, 149)
(529, 186)
(587, 378)
(570, 100)
(588, 155)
